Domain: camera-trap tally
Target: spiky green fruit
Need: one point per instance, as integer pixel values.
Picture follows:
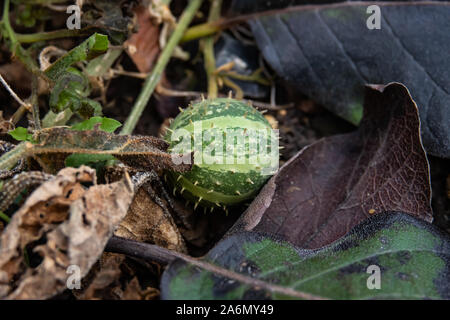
(235, 151)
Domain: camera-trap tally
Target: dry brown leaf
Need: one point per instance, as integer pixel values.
(112, 279)
(104, 283)
(143, 46)
(333, 185)
(146, 222)
(133, 291)
(76, 224)
(5, 125)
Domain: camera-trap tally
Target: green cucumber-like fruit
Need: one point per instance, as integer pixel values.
(235, 151)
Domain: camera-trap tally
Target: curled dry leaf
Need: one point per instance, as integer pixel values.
(334, 184)
(102, 282)
(146, 222)
(73, 222)
(139, 152)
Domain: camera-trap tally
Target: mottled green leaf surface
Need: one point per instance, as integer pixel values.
(413, 256)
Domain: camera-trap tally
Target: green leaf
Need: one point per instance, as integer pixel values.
(89, 49)
(413, 257)
(77, 159)
(106, 124)
(21, 134)
(71, 92)
(72, 88)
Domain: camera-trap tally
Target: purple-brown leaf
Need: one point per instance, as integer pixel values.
(334, 184)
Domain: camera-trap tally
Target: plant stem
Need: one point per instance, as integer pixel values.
(154, 253)
(208, 51)
(15, 118)
(10, 158)
(154, 77)
(254, 77)
(4, 217)
(7, 25)
(35, 102)
(239, 92)
(200, 31)
(57, 34)
(16, 48)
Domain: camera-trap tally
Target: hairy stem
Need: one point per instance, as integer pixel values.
(10, 158)
(15, 47)
(52, 35)
(154, 77)
(7, 24)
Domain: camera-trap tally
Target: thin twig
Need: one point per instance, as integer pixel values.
(198, 94)
(155, 253)
(15, 47)
(35, 102)
(13, 94)
(154, 77)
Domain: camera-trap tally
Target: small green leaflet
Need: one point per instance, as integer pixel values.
(21, 134)
(106, 124)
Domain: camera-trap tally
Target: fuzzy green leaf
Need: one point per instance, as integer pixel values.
(89, 49)
(21, 134)
(106, 124)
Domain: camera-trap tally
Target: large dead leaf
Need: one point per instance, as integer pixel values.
(146, 222)
(139, 152)
(74, 224)
(332, 185)
(143, 46)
